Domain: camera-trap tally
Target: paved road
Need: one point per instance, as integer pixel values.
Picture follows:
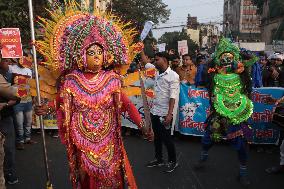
(220, 174)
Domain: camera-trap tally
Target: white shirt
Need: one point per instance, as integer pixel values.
(149, 65)
(15, 69)
(166, 87)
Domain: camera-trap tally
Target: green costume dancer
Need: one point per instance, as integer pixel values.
(229, 90)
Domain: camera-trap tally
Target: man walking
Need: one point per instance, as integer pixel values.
(166, 92)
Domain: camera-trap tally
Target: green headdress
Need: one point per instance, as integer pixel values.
(226, 46)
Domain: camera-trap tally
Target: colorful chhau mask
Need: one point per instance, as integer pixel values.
(230, 100)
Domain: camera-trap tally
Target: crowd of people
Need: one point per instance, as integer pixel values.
(90, 101)
(16, 102)
(194, 70)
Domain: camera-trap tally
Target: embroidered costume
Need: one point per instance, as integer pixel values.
(91, 101)
(229, 91)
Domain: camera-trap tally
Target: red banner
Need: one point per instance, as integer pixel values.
(11, 43)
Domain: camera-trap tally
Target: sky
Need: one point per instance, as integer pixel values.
(205, 10)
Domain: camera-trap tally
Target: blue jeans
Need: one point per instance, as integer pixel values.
(239, 144)
(23, 121)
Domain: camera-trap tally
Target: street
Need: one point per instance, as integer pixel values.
(220, 173)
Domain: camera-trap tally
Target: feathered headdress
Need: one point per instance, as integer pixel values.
(71, 30)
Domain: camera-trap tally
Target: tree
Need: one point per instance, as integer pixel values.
(15, 14)
(259, 4)
(172, 38)
(276, 7)
(140, 11)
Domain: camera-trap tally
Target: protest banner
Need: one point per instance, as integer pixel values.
(147, 27)
(162, 47)
(194, 109)
(11, 43)
(264, 131)
(182, 47)
(137, 100)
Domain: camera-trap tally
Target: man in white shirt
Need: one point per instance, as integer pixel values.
(166, 93)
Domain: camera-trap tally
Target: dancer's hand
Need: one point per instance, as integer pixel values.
(147, 133)
(41, 110)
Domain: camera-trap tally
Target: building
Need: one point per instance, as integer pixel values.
(209, 34)
(192, 22)
(194, 35)
(192, 29)
(272, 26)
(204, 35)
(241, 21)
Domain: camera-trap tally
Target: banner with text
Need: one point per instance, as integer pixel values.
(264, 132)
(194, 108)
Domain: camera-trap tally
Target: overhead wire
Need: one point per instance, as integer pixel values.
(199, 4)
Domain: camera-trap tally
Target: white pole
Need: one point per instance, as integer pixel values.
(38, 93)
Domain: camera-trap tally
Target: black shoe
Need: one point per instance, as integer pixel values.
(275, 170)
(200, 165)
(244, 180)
(155, 163)
(171, 166)
(11, 179)
(30, 142)
(55, 135)
(20, 146)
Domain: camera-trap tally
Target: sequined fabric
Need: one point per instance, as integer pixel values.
(92, 133)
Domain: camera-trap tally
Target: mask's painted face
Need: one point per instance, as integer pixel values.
(94, 58)
(226, 59)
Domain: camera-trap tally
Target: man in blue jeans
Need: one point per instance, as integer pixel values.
(7, 100)
(23, 110)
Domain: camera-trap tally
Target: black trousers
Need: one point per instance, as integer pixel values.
(162, 136)
(7, 129)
